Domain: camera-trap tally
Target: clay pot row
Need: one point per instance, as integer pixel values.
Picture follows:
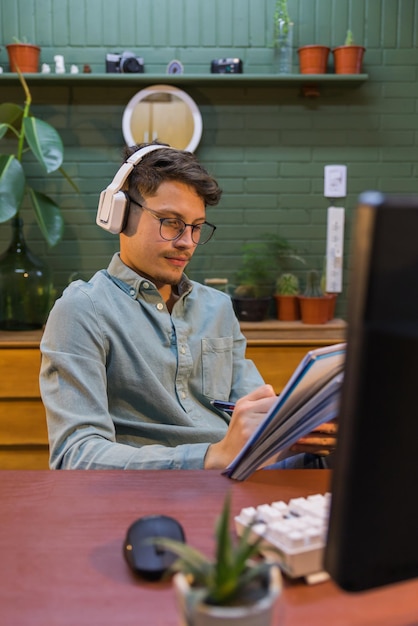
(309, 310)
(347, 59)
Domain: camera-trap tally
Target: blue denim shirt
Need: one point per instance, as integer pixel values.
(127, 385)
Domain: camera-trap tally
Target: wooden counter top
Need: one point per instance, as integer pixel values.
(276, 332)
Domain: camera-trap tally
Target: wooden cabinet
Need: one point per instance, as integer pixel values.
(23, 433)
(275, 347)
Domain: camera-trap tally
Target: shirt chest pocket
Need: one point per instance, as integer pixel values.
(217, 367)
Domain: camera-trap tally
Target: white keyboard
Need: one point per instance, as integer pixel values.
(297, 529)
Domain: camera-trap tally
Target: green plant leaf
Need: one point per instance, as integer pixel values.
(12, 186)
(45, 143)
(48, 216)
(3, 129)
(10, 113)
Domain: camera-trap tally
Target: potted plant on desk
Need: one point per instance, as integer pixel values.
(253, 294)
(287, 303)
(261, 262)
(314, 304)
(230, 589)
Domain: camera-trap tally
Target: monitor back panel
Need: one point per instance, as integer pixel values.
(373, 529)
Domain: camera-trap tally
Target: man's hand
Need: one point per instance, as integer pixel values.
(249, 411)
(322, 440)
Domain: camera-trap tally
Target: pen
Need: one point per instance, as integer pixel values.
(226, 407)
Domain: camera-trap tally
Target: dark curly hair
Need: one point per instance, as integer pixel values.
(170, 165)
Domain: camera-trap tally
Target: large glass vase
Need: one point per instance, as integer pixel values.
(26, 290)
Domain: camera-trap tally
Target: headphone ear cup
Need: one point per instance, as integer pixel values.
(113, 211)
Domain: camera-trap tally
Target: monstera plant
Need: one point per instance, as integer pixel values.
(42, 140)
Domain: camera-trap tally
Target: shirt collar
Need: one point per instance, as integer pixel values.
(124, 274)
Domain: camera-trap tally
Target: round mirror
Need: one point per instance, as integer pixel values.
(165, 113)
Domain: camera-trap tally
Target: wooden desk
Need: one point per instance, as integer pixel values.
(61, 548)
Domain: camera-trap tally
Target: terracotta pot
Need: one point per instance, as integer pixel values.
(348, 59)
(287, 308)
(332, 301)
(313, 59)
(314, 310)
(24, 56)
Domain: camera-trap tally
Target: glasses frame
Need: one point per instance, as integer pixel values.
(154, 214)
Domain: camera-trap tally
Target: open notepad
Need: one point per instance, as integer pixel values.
(310, 398)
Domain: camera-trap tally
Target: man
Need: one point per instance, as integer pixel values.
(132, 359)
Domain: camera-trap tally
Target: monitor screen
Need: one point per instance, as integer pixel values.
(373, 528)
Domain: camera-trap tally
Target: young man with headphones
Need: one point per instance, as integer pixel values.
(132, 359)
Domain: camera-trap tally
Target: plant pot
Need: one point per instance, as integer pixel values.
(260, 613)
(24, 56)
(348, 59)
(313, 59)
(287, 308)
(26, 291)
(332, 301)
(251, 309)
(314, 310)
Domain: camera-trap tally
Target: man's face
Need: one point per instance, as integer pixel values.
(144, 250)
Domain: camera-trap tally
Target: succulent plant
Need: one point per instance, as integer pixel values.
(349, 39)
(313, 286)
(287, 285)
(231, 573)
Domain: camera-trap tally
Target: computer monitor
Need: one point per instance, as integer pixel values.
(373, 528)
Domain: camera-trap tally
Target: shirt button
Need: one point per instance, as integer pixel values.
(184, 395)
(160, 306)
(183, 350)
(132, 292)
(145, 285)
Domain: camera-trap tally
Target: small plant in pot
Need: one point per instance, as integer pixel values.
(255, 283)
(23, 56)
(348, 58)
(261, 262)
(331, 295)
(283, 38)
(314, 304)
(287, 303)
(232, 588)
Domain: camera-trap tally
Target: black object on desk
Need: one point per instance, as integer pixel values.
(372, 538)
(144, 557)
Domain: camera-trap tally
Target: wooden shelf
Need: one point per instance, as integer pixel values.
(216, 80)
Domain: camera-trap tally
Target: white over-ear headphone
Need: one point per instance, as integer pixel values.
(113, 203)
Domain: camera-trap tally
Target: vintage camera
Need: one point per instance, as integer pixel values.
(125, 63)
(226, 66)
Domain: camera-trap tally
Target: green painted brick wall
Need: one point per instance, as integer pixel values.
(266, 145)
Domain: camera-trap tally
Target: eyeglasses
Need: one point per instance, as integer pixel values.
(172, 228)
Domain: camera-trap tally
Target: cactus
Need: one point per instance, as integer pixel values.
(287, 285)
(349, 39)
(313, 288)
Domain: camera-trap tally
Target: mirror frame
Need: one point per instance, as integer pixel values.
(175, 91)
